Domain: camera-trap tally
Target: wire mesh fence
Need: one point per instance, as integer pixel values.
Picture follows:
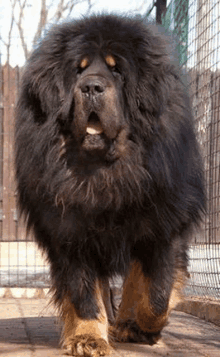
(197, 26)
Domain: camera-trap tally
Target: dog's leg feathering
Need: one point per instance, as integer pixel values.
(82, 336)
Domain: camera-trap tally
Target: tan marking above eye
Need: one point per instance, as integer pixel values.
(84, 63)
(110, 61)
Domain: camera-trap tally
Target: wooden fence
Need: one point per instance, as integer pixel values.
(11, 227)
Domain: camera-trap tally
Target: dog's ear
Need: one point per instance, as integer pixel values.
(159, 74)
(42, 90)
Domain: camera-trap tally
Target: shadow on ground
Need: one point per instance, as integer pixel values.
(28, 328)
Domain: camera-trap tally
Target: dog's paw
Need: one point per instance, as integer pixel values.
(87, 346)
(129, 331)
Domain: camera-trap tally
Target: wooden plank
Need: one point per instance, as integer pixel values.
(9, 205)
(1, 147)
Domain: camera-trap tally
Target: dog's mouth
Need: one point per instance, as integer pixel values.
(96, 145)
(95, 141)
(94, 126)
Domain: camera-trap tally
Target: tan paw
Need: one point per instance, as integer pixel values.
(129, 331)
(87, 346)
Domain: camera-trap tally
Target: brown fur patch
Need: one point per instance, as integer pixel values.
(84, 63)
(85, 336)
(176, 293)
(133, 290)
(110, 61)
(136, 318)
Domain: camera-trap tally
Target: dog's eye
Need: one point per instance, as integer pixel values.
(116, 70)
(117, 73)
(79, 70)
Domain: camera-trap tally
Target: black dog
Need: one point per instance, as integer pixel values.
(109, 175)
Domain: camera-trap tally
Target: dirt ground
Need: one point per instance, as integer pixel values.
(28, 328)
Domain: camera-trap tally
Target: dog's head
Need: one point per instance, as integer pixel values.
(100, 99)
(103, 81)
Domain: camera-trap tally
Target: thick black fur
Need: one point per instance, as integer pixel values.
(98, 202)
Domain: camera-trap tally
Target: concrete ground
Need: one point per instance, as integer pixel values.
(28, 328)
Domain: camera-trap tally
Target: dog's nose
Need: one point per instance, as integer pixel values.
(92, 87)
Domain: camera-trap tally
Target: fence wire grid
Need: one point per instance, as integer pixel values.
(197, 25)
